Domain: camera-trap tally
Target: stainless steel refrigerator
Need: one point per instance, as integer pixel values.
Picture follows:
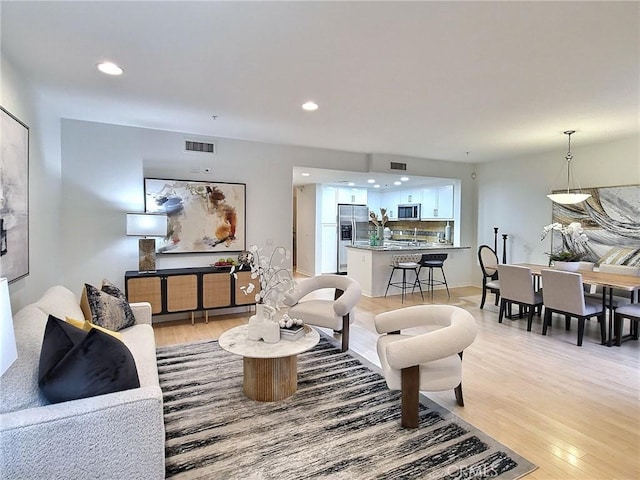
(353, 229)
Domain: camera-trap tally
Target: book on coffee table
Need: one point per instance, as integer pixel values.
(292, 333)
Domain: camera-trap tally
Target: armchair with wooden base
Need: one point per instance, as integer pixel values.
(430, 361)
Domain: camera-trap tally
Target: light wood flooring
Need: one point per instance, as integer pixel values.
(573, 411)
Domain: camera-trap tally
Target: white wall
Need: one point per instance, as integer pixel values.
(45, 248)
(511, 193)
(103, 168)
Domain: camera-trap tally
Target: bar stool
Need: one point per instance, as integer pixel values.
(431, 261)
(404, 263)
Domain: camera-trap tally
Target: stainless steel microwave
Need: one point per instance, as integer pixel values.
(409, 212)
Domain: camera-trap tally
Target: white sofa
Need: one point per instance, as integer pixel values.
(117, 435)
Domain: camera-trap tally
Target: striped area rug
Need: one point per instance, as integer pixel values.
(342, 423)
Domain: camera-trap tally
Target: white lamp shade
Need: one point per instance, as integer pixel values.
(146, 224)
(8, 351)
(568, 198)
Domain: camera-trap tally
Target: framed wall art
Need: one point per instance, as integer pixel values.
(202, 217)
(14, 197)
(611, 220)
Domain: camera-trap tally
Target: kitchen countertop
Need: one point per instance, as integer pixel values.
(406, 246)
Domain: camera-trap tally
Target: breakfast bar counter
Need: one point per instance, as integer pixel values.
(371, 265)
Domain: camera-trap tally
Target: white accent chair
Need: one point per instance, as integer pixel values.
(562, 293)
(336, 313)
(517, 287)
(429, 361)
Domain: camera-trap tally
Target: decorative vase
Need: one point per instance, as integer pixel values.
(380, 235)
(261, 325)
(566, 266)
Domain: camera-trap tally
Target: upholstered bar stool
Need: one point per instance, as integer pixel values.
(431, 261)
(404, 263)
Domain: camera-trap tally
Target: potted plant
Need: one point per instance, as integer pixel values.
(572, 248)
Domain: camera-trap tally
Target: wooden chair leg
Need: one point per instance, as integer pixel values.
(345, 333)
(530, 318)
(503, 305)
(547, 321)
(484, 296)
(580, 330)
(603, 330)
(410, 396)
(458, 392)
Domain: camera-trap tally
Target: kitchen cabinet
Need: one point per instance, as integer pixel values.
(409, 196)
(352, 195)
(374, 202)
(188, 289)
(437, 202)
(390, 201)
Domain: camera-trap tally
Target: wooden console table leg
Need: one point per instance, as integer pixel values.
(270, 379)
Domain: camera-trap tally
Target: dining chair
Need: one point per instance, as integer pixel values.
(632, 312)
(563, 293)
(489, 266)
(517, 287)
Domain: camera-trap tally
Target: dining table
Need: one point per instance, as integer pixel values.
(608, 282)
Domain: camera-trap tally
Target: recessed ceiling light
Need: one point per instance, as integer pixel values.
(351, 184)
(397, 182)
(310, 106)
(404, 179)
(305, 174)
(371, 180)
(376, 186)
(110, 68)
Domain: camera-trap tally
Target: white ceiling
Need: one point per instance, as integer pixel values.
(425, 79)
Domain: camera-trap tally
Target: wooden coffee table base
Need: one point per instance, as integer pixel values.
(270, 379)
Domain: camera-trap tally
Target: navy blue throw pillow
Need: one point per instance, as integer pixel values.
(78, 364)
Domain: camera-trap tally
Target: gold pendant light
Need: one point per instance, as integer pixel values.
(568, 197)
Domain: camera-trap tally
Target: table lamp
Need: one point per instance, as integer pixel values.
(8, 352)
(146, 225)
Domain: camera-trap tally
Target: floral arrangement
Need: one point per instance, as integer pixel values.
(573, 242)
(273, 278)
(383, 218)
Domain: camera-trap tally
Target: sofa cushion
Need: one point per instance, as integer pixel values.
(105, 309)
(60, 302)
(77, 364)
(19, 384)
(86, 325)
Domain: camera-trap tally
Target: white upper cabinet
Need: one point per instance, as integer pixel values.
(413, 195)
(374, 202)
(390, 201)
(352, 195)
(437, 202)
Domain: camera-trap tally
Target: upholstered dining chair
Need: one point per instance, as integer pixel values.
(562, 293)
(431, 361)
(489, 266)
(517, 287)
(632, 312)
(336, 313)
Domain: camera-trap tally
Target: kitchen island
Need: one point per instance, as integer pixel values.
(371, 265)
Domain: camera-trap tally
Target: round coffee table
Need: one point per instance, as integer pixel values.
(270, 370)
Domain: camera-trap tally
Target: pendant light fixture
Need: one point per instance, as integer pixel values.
(568, 197)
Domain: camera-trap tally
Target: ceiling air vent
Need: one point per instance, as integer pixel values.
(199, 147)
(398, 166)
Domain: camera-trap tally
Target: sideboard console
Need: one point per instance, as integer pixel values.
(178, 290)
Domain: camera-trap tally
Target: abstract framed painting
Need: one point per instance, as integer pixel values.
(202, 217)
(611, 221)
(14, 197)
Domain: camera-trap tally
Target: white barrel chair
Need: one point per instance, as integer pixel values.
(336, 313)
(430, 361)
